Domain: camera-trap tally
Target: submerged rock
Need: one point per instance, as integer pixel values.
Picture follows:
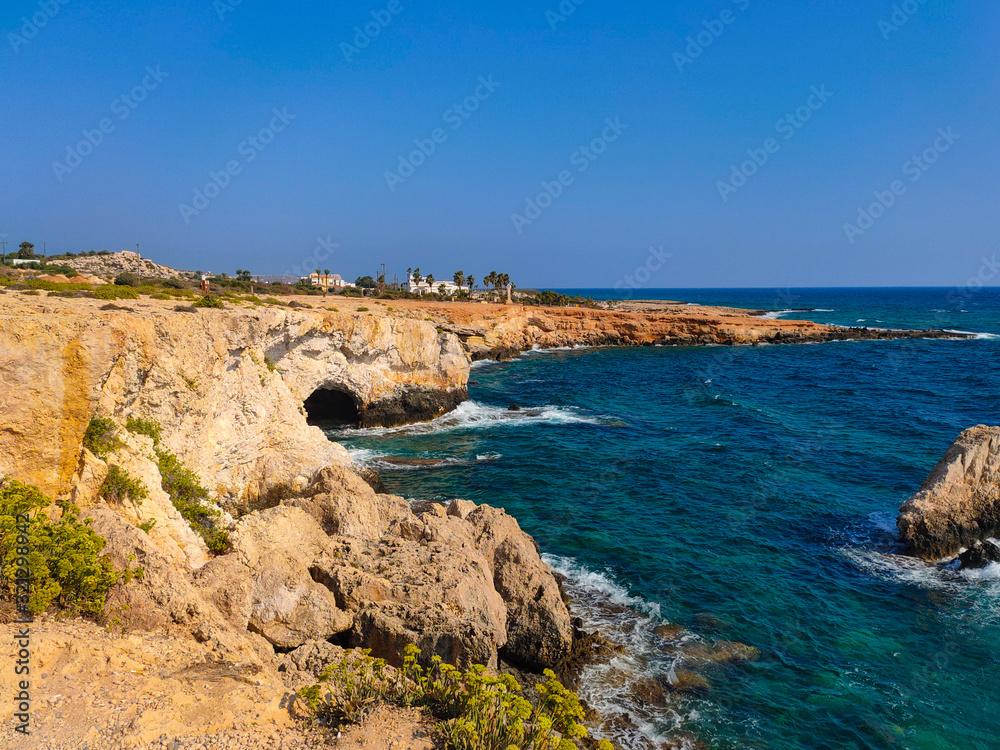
(959, 503)
(980, 554)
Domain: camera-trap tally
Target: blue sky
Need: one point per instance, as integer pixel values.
(323, 177)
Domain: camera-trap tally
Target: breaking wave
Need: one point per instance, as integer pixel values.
(472, 415)
(651, 656)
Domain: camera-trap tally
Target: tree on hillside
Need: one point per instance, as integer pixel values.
(243, 274)
(26, 251)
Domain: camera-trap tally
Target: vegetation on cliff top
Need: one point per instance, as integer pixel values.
(475, 710)
(63, 557)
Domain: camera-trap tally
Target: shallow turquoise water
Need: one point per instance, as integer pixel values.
(750, 494)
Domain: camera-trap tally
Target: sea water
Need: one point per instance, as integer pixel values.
(747, 494)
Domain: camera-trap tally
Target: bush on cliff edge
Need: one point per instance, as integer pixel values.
(63, 557)
(476, 710)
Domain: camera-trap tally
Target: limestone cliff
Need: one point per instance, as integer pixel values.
(228, 386)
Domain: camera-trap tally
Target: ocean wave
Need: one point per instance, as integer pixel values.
(472, 415)
(382, 461)
(648, 657)
(536, 349)
(975, 334)
(775, 314)
(483, 363)
(978, 591)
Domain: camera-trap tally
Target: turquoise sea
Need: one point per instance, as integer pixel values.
(749, 495)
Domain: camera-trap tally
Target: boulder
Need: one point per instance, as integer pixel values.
(959, 503)
(345, 504)
(432, 593)
(539, 626)
(277, 548)
(979, 555)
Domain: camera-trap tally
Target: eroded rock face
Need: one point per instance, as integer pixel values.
(226, 385)
(539, 627)
(959, 503)
(283, 603)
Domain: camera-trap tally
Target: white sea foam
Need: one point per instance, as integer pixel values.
(629, 621)
(472, 415)
(484, 363)
(775, 314)
(974, 334)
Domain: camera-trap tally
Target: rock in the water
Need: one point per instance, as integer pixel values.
(979, 555)
(513, 407)
(959, 503)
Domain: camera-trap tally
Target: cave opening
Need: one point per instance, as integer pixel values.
(329, 407)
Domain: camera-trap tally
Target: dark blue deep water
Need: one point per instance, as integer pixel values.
(750, 495)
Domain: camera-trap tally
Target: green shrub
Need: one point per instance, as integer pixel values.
(362, 309)
(147, 525)
(160, 295)
(120, 487)
(210, 301)
(191, 501)
(148, 427)
(32, 292)
(54, 286)
(147, 289)
(475, 710)
(66, 567)
(112, 292)
(269, 363)
(126, 279)
(173, 284)
(101, 437)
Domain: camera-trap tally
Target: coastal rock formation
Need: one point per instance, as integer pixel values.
(959, 503)
(503, 332)
(124, 262)
(228, 386)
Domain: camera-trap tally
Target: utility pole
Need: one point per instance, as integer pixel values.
(137, 249)
(381, 285)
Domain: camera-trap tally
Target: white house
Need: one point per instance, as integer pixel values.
(439, 286)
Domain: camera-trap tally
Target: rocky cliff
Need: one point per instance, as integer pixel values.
(958, 505)
(500, 332)
(229, 386)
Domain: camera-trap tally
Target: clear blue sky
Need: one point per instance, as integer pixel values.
(657, 183)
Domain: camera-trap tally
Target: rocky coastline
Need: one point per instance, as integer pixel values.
(317, 557)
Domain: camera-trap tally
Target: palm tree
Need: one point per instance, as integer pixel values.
(459, 278)
(326, 271)
(416, 275)
(430, 281)
(471, 281)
